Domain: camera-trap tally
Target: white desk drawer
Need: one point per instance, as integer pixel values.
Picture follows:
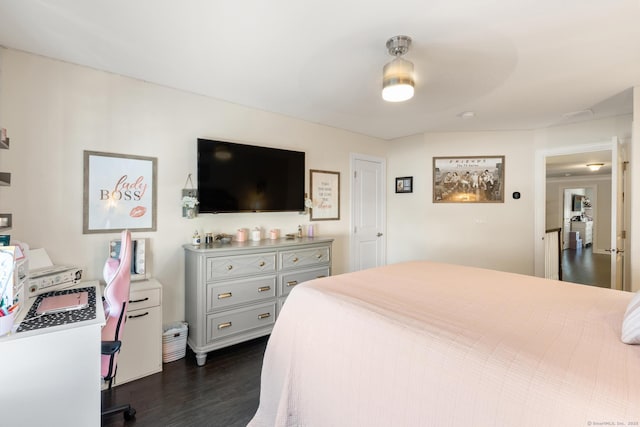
(227, 294)
(139, 300)
(241, 265)
(304, 257)
(240, 320)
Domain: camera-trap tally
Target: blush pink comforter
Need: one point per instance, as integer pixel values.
(428, 344)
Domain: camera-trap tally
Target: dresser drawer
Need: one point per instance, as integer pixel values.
(289, 280)
(226, 294)
(240, 265)
(235, 321)
(304, 257)
(143, 299)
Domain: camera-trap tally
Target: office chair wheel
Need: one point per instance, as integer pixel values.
(129, 414)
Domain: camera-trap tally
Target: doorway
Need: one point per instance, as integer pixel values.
(606, 242)
(581, 258)
(583, 208)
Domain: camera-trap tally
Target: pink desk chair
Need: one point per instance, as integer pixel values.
(117, 275)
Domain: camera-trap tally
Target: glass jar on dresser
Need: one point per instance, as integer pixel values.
(234, 291)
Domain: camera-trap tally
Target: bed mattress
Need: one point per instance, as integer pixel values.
(430, 344)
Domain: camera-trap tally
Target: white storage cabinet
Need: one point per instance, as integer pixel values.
(141, 352)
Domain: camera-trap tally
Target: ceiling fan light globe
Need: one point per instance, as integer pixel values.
(398, 92)
(397, 80)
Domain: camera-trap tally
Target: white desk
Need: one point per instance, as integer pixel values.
(51, 376)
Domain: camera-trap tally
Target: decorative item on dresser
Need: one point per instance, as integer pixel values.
(235, 291)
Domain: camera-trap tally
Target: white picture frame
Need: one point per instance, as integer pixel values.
(119, 192)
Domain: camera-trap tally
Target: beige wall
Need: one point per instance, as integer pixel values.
(54, 110)
(491, 235)
(500, 236)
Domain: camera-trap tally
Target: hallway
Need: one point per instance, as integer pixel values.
(585, 267)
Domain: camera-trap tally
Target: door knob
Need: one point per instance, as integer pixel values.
(379, 234)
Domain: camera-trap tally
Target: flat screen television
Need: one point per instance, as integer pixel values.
(245, 178)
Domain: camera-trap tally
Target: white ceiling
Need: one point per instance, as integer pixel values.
(518, 64)
(575, 165)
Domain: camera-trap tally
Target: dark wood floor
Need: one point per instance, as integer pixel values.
(585, 267)
(223, 393)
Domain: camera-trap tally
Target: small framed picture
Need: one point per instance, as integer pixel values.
(404, 184)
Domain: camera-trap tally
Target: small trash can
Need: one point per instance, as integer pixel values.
(174, 341)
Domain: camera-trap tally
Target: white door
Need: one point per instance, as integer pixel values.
(368, 212)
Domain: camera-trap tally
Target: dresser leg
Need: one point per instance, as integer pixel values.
(201, 358)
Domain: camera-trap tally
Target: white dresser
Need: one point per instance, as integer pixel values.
(233, 292)
(586, 231)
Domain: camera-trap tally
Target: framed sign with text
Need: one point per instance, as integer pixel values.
(119, 193)
(325, 195)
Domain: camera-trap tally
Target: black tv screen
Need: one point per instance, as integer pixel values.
(245, 178)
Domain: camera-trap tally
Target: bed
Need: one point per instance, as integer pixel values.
(430, 344)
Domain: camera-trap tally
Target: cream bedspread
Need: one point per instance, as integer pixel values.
(428, 344)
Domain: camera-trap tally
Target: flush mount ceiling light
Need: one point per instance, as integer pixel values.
(595, 166)
(397, 75)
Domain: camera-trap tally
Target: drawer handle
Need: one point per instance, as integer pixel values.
(264, 315)
(292, 283)
(295, 259)
(319, 256)
(262, 263)
(146, 313)
(224, 325)
(320, 277)
(138, 300)
(225, 295)
(264, 288)
(229, 267)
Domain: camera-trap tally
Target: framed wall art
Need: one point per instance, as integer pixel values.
(404, 184)
(325, 195)
(473, 179)
(119, 193)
